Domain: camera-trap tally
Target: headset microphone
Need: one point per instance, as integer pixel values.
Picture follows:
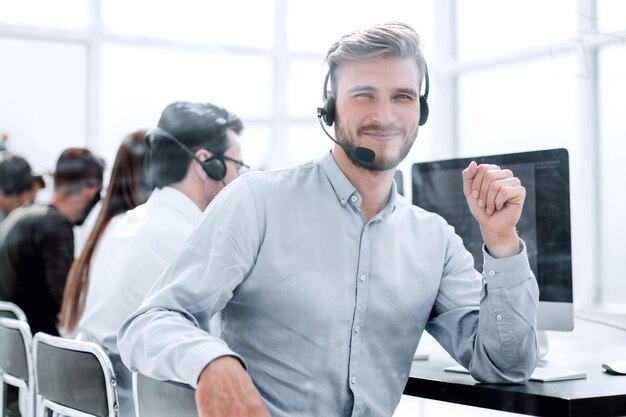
(327, 114)
(365, 155)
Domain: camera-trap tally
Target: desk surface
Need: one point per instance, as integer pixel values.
(601, 394)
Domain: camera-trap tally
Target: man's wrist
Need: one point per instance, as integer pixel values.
(218, 362)
(502, 246)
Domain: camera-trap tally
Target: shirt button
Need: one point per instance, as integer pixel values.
(492, 273)
(357, 329)
(499, 317)
(353, 380)
(342, 201)
(363, 278)
(354, 199)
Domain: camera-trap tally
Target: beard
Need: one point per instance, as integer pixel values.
(90, 205)
(380, 163)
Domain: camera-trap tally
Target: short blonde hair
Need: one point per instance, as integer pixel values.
(383, 40)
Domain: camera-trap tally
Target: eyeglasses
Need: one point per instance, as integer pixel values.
(241, 168)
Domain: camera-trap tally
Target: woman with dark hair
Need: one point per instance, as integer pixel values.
(128, 188)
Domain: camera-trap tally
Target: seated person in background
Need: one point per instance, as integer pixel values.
(37, 243)
(18, 183)
(18, 187)
(326, 278)
(194, 153)
(128, 188)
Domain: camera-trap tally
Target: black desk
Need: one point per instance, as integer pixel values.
(600, 394)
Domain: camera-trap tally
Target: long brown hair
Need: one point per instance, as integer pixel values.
(127, 189)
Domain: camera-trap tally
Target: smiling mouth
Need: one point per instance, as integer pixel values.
(381, 135)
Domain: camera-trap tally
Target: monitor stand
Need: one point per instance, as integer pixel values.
(544, 346)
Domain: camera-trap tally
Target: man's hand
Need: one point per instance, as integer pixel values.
(226, 390)
(495, 198)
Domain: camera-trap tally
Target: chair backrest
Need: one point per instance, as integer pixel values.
(155, 398)
(11, 311)
(16, 364)
(73, 378)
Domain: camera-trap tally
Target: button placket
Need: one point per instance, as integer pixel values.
(362, 289)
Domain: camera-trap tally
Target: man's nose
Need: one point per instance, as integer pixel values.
(383, 112)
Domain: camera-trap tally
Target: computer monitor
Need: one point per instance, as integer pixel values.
(544, 225)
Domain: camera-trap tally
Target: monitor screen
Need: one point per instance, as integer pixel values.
(544, 224)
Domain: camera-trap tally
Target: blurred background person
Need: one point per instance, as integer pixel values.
(82, 232)
(37, 242)
(129, 186)
(18, 187)
(18, 183)
(193, 154)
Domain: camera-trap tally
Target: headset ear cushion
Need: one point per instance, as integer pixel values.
(423, 110)
(215, 168)
(329, 111)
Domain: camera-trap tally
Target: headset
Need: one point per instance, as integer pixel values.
(327, 111)
(365, 156)
(215, 166)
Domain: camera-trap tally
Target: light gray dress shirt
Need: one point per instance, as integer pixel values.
(325, 309)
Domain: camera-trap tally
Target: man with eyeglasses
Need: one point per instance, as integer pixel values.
(193, 154)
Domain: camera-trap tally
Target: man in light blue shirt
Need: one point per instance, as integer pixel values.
(325, 277)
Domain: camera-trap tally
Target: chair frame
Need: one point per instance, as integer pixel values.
(13, 308)
(80, 346)
(29, 387)
(135, 383)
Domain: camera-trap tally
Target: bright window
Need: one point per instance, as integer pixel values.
(58, 14)
(613, 155)
(42, 99)
(138, 82)
(315, 26)
(233, 22)
(492, 27)
(611, 15)
(518, 107)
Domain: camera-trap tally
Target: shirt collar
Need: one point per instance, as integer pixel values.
(392, 203)
(341, 184)
(172, 197)
(344, 190)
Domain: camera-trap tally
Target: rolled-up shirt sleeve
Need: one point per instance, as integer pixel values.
(168, 336)
(488, 322)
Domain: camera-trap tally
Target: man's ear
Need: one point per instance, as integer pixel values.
(201, 155)
(90, 192)
(27, 196)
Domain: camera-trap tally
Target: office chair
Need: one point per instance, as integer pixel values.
(16, 364)
(73, 378)
(155, 398)
(11, 311)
